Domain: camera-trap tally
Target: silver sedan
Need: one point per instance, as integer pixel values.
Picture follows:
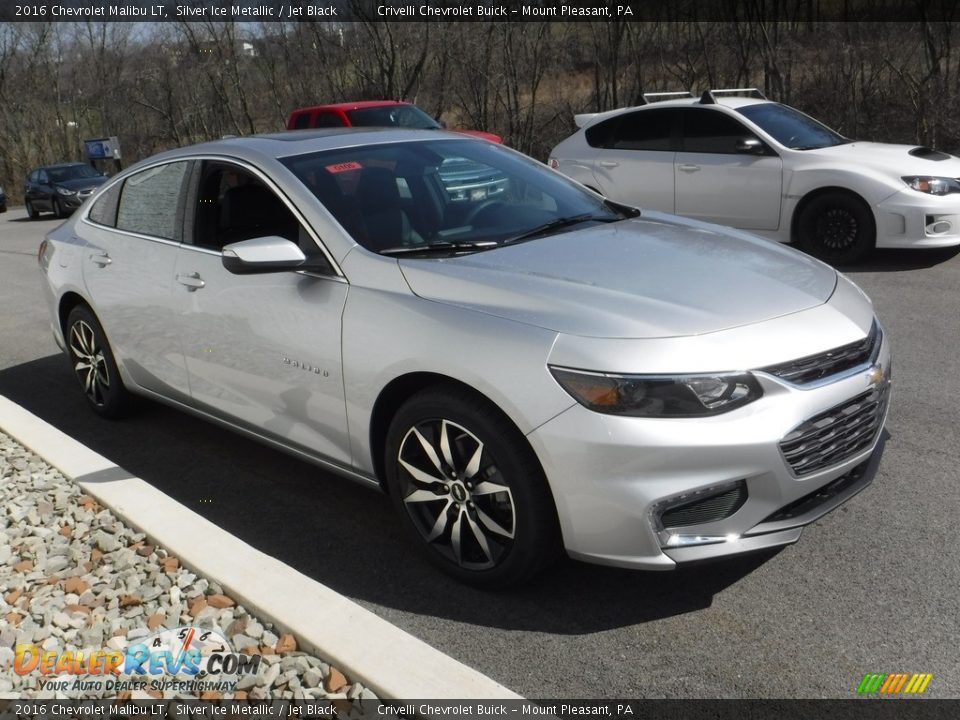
(524, 367)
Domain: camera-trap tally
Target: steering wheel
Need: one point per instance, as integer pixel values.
(483, 207)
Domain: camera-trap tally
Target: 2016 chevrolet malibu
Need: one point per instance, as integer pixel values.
(536, 372)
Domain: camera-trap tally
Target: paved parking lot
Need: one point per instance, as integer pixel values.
(872, 587)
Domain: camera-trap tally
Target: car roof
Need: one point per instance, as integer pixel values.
(290, 143)
(56, 166)
(358, 105)
(730, 102)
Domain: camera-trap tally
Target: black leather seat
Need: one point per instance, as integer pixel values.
(250, 211)
(384, 221)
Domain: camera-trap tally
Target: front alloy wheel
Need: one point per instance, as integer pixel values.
(469, 488)
(93, 364)
(455, 494)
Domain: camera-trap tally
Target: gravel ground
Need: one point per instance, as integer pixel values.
(73, 577)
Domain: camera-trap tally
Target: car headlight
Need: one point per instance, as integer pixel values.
(64, 191)
(659, 395)
(932, 185)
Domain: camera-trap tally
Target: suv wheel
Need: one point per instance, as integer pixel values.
(469, 489)
(94, 365)
(32, 212)
(837, 228)
(57, 208)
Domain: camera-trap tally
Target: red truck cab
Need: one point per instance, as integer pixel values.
(372, 113)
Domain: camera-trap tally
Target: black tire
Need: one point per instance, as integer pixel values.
(93, 364)
(837, 228)
(32, 212)
(57, 208)
(504, 536)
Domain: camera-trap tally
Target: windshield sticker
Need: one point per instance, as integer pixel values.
(343, 167)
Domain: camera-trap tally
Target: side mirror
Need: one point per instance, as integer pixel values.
(262, 255)
(750, 146)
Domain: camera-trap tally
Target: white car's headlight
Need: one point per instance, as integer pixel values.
(659, 395)
(932, 185)
(64, 191)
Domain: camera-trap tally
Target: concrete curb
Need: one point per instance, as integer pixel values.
(390, 661)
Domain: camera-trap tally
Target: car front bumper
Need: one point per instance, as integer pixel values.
(909, 219)
(615, 479)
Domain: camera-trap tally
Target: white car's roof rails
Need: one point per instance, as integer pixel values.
(708, 97)
(653, 97)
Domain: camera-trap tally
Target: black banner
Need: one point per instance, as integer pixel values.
(791, 11)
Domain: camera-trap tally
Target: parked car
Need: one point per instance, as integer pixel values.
(539, 371)
(3, 200)
(768, 168)
(60, 188)
(372, 113)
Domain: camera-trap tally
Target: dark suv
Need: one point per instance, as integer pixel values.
(60, 189)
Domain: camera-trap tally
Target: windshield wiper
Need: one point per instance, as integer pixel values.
(559, 223)
(440, 247)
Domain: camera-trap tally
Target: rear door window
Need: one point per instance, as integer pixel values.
(647, 130)
(152, 201)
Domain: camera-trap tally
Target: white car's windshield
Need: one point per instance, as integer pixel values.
(792, 128)
(428, 197)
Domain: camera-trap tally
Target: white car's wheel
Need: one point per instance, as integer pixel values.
(837, 228)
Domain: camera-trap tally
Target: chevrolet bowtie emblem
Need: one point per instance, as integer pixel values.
(876, 375)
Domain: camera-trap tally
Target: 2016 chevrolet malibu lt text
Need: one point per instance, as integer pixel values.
(536, 372)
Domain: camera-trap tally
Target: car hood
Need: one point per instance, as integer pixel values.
(81, 183)
(659, 276)
(896, 159)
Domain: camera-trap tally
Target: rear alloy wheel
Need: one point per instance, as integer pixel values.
(837, 228)
(57, 208)
(94, 365)
(467, 485)
(32, 212)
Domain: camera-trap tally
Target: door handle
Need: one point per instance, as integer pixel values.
(101, 259)
(192, 281)
(688, 168)
(609, 164)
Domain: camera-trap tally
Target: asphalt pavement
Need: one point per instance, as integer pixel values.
(871, 587)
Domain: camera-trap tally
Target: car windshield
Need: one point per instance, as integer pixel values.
(446, 196)
(71, 172)
(792, 128)
(406, 116)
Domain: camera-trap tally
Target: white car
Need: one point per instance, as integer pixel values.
(768, 168)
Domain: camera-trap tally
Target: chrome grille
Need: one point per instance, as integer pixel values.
(837, 434)
(822, 365)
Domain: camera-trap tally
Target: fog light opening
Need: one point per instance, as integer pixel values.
(937, 225)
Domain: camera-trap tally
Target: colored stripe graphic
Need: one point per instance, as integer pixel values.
(894, 683)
